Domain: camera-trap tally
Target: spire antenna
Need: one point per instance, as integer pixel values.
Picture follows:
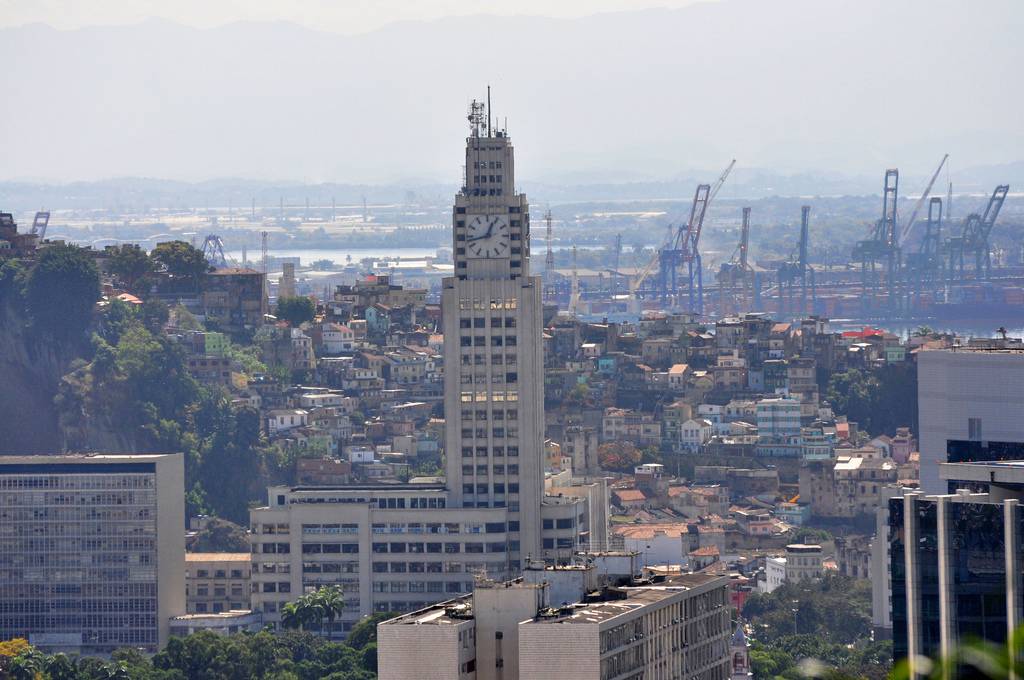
(489, 111)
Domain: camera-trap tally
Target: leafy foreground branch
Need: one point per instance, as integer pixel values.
(292, 655)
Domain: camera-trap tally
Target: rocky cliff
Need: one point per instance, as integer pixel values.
(32, 368)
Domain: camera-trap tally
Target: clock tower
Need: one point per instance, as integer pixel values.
(493, 356)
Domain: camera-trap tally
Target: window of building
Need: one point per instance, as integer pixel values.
(974, 429)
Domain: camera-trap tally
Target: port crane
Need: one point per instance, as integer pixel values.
(882, 248)
(213, 250)
(923, 268)
(920, 202)
(975, 238)
(39, 224)
(683, 247)
(738, 273)
(798, 271)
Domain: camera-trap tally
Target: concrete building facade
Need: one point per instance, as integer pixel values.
(92, 550)
(967, 394)
(216, 582)
(677, 629)
(493, 352)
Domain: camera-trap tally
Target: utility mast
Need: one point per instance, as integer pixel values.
(574, 296)
(549, 258)
(617, 260)
(263, 246)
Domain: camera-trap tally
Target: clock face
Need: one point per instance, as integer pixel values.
(487, 236)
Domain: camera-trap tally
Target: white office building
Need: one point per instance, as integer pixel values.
(401, 547)
(970, 398)
(92, 550)
(493, 354)
(675, 628)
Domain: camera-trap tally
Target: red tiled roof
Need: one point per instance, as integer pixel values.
(706, 551)
(628, 495)
(645, 531)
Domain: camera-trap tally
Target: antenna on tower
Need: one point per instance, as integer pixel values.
(489, 111)
(476, 117)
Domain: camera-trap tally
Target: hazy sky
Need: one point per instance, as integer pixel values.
(341, 16)
(376, 90)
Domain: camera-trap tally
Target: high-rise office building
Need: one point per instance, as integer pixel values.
(969, 406)
(399, 547)
(955, 560)
(493, 354)
(92, 550)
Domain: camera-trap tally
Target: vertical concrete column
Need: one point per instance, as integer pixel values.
(1011, 542)
(947, 603)
(910, 569)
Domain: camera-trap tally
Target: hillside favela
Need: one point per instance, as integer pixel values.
(466, 340)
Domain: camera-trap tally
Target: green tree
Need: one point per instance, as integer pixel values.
(155, 314)
(181, 260)
(619, 456)
(879, 400)
(365, 632)
(313, 609)
(295, 310)
(61, 290)
(130, 264)
(220, 535)
(184, 320)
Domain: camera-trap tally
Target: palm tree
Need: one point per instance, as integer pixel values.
(292, 616)
(312, 608)
(332, 601)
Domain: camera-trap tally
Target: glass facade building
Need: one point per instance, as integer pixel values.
(956, 559)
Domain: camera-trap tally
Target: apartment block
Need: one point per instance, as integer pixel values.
(216, 582)
(389, 547)
(679, 628)
(92, 550)
(590, 619)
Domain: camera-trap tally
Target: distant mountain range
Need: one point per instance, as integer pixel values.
(804, 87)
(132, 193)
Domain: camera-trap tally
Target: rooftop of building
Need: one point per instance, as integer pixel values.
(223, 616)
(232, 271)
(396, 487)
(803, 548)
(647, 531)
(621, 601)
(94, 458)
(443, 613)
(217, 557)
